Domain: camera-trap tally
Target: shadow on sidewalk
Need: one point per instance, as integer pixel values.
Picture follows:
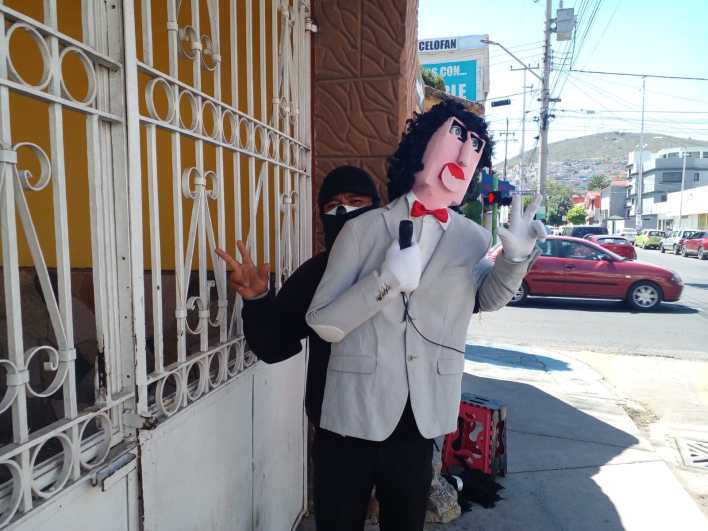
(513, 358)
(554, 451)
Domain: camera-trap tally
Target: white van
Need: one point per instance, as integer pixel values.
(628, 233)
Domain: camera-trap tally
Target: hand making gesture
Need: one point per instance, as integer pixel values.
(520, 238)
(247, 279)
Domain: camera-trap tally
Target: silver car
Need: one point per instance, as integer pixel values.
(672, 241)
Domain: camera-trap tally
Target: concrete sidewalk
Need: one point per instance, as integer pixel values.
(576, 459)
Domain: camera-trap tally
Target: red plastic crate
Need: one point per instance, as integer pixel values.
(480, 439)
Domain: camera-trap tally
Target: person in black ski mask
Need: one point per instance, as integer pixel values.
(346, 193)
(275, 325)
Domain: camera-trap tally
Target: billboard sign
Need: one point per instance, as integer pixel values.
(460, 77)
(462, 62)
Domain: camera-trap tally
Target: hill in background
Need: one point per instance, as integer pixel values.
(575, 160)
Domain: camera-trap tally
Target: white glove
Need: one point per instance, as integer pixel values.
(520, 238)
(405, 264)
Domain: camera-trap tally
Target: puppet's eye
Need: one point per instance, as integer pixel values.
(476, 144)
(458, 131)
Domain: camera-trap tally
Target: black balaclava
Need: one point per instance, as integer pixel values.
(341, 180)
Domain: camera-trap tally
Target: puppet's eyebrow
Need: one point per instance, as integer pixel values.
(462, 127)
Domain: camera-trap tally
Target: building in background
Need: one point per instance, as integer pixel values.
(663, 174)
(613, 207)
(687, 212)
(463, 62)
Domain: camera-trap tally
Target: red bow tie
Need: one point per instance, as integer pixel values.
(420, 210)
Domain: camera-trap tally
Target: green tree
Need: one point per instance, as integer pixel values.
(577, 215)
(598, 182)
(558, 202)
(432, 79)
(473, 210)
(471, 205)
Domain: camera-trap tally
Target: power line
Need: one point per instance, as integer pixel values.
(609, 22)
(506, 96)
(632, 110)
(583, 39)
(656, 76)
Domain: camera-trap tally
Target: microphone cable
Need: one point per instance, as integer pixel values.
(408, 318)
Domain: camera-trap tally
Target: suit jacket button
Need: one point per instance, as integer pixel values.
(411, 357)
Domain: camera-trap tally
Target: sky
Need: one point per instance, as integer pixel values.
(635, 36)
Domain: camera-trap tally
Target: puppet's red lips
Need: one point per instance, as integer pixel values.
(455, 170)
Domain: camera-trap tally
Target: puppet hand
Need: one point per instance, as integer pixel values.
(520, 238)
(247, 279)
(405, 265)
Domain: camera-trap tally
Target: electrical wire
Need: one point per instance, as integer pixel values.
(630, 74)
(407, 317)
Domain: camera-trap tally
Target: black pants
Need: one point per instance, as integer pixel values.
(346, 468)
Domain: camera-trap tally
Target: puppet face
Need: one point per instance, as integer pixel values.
(449, 162)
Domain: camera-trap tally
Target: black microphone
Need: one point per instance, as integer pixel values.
(405, 233)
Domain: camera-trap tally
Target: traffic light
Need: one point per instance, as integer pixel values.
(496, 198)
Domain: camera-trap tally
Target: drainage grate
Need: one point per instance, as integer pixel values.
(694, 453)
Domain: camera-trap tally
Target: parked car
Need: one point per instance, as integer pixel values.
(674, 240)
(579, 231)
(650, 239)
(696, 243)
(628, 233)
(571, 267)
(616, 244)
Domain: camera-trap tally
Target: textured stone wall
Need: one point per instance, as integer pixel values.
(364, 83)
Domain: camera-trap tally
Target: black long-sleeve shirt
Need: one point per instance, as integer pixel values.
(275, 326)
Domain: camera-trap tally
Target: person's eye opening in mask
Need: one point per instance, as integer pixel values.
(344, 203)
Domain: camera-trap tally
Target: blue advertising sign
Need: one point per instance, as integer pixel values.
(460, 77)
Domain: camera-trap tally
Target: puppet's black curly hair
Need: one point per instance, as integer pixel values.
(406, 161)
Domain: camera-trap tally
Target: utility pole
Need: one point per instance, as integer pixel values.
(683, 180)
(495, 182)
(522, 158)
(506, 147)
(506, 135)
(640, 176)
(545, 101)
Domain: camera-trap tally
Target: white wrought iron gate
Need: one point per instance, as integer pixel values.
(137, 136)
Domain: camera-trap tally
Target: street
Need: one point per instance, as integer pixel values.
(656, 361)
(677, 330)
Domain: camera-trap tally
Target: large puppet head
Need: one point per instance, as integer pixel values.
(439, 154)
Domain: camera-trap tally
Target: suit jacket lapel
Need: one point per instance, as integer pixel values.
(443, 251)
(393, 213)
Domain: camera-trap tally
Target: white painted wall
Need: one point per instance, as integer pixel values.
(695, 201)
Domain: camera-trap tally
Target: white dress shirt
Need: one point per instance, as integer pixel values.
(427, 230)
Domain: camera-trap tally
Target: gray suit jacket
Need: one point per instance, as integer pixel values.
(381, 359)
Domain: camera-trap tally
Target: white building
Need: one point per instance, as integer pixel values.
(663, 173)
(686, 210)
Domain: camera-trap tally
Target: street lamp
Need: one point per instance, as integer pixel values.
(526, 67)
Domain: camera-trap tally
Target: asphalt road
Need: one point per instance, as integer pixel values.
(676, 330)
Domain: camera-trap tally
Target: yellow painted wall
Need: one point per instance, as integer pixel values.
(30, 123)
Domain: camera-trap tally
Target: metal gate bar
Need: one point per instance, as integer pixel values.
(273, 142)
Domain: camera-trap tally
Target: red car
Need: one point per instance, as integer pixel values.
(571, 267)
(696, 243)
(616, 244)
